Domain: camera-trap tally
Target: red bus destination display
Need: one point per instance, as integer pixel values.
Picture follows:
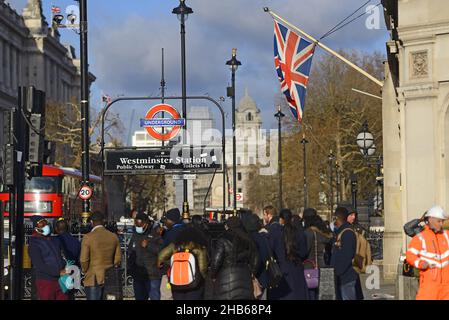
(154, 161)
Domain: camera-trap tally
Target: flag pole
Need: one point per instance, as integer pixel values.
(336, 54)
(367, 94)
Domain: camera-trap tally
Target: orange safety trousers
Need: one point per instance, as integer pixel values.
(432, 248)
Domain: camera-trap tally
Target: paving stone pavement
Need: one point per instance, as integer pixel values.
(385, 291)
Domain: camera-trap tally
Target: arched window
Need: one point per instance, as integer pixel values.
(249, 117)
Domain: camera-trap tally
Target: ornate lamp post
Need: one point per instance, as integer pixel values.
(233, 65)
(183, 11)
(280, 115)
(354, 184)
(365, 142)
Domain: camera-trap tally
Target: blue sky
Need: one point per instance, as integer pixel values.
(126, 37)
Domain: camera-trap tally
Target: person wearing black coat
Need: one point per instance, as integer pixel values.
(343, 252)
(289, 247)
(173, 225)
(259, 235)
(71, 246)
(48, 264)
(233, 263)
(143, 250)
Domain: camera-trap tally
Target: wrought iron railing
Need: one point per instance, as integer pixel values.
(376, 240)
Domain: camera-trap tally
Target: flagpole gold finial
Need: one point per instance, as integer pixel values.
(279, 108)
(266, 9)
(234, 52)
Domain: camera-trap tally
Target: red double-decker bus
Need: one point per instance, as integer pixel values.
(55, 195)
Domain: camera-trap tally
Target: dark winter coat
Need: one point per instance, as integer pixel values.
(323, 242)
(293, 285)
(261, 240)
(46, 257)
(342, 255)
(71, 247)
(169, 235)
(233, 269)
(142, 262)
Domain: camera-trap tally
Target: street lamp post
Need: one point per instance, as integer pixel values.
(304, 143)
(233, 65)
(280, 115)
(338, 181)
(331, 158)
(365, 142)
(183, 11)
(354, 183)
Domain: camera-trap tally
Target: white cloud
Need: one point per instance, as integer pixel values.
(125, 48)
(127, 57)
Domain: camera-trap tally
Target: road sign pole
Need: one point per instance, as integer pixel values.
(85, 123)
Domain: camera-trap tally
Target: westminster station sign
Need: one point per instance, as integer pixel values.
(157, 161)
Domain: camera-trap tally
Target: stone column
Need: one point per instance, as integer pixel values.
(54, 75)
(2, 66)
(7, 72)
(13, 69)
(47, 76)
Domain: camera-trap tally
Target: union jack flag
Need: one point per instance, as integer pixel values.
(293, 59)
(55, 9)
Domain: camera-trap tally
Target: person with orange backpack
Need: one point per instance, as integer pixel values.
(428, 251)
(188, 262)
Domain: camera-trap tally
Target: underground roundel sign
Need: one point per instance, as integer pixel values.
(151, 122)
(86, 193)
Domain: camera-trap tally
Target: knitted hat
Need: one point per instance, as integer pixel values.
(173, 215)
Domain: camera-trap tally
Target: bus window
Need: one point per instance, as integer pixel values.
(42, 184)
(67, 187)
(64, 186)
(73, 187)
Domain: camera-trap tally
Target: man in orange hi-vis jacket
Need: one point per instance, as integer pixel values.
(429, 252)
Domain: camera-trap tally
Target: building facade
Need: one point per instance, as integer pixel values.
(415, 118)
(249, 140)
(31, 54)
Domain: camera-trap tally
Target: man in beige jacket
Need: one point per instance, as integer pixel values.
(100, 250)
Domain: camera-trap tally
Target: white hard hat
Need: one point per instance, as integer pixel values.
(436, 212)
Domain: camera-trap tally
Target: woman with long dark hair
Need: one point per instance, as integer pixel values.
(288, 243)
(319, 243)
(233, 263)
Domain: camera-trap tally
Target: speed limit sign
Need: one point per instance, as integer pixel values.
(86, 193)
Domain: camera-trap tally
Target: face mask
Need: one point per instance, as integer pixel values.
(139, 230)
(46, 230)
(332, 226)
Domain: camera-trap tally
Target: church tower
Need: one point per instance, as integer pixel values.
(248, 134)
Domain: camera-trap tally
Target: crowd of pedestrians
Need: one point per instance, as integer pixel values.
(276, 257)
